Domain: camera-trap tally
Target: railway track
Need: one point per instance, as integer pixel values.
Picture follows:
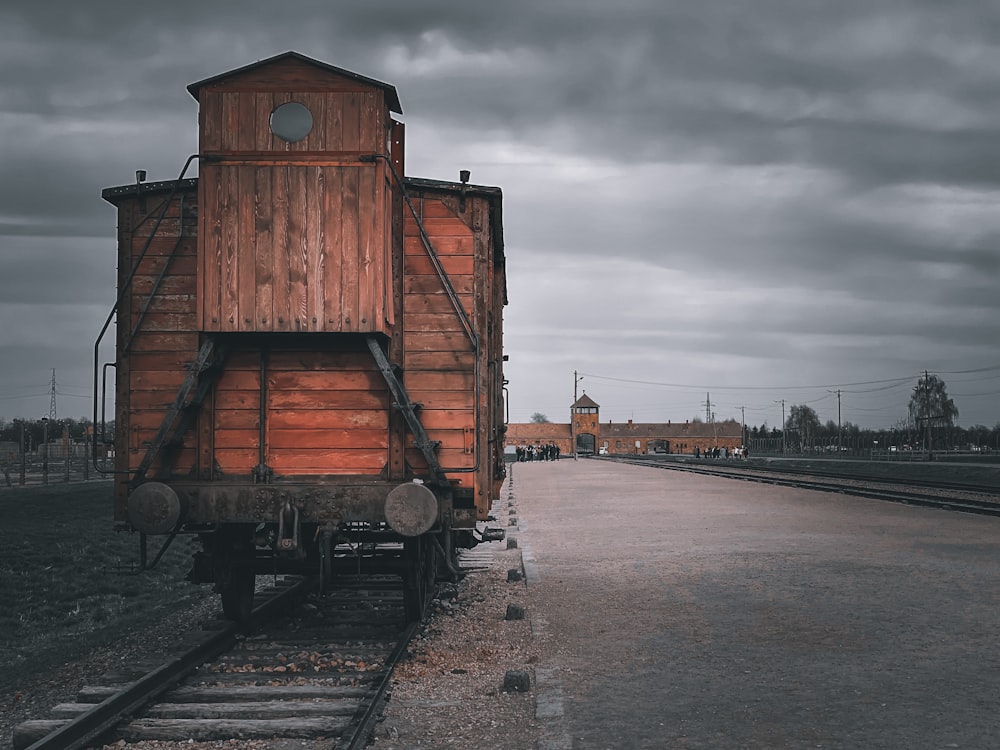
(307, 668)
(968, 498)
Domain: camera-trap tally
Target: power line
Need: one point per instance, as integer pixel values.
(892, 382)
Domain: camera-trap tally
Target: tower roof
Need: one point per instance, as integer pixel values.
(294, 58)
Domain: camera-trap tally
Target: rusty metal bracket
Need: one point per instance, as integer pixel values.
(432, 255)
(289, 542)
(426, 446)
(208, 357)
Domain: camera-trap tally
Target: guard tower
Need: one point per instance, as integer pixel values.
(585, 418)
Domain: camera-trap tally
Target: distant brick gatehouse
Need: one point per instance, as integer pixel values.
(590, 435)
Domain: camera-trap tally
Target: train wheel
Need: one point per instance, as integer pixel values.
(419, 576)
(237, 592)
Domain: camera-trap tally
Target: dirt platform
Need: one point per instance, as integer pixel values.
(677, 611)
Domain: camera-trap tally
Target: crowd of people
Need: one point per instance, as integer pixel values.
(548, 452)
(739, 452)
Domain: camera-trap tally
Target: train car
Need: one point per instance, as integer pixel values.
(309, 367)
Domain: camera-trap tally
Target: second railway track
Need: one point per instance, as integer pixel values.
(984, 500)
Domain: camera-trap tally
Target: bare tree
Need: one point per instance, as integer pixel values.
(805, 421)
(930, 406)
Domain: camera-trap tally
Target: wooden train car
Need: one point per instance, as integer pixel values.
(309, 343)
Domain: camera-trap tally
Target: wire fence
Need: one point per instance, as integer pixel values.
(36, 471)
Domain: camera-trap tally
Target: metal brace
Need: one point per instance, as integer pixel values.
(286, 543)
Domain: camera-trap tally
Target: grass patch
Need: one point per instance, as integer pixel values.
(69, 582)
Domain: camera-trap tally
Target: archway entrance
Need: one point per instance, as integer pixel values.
(586, 444)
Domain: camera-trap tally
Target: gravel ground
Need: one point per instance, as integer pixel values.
(34, 698)
(449, 691)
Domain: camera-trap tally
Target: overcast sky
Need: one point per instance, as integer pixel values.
(733, 201)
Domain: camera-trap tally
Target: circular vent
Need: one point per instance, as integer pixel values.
(291, 122)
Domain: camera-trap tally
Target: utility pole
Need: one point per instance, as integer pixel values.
(45, 448)
(782, 402)
(21, 450)
(66, 453)
(924, 387)
(52, 397)
(839, 439)
(572, 414)
(87, 436)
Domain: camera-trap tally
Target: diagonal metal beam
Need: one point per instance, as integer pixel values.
(205, 358)
(427, 446)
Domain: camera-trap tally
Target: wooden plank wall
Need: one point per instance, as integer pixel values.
(152, 368)
(347, 120)
(328, 408)
(327, 413)
(497, 418)
(439, 360)
(296, 236)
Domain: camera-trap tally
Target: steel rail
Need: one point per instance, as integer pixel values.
(86, 728)
(829, 484)
(356, 735)
(908, 481)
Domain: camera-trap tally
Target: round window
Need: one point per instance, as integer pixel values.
(291, 122)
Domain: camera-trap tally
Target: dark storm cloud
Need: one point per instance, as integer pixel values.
(876, 92)
(823, 171)
(776, 81)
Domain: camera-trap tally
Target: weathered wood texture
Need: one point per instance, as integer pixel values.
(296, 236)
(326, 412)
(297, 249)
(457, 385)
(157, 325)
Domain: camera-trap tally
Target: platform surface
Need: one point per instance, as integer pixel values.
(683, 611)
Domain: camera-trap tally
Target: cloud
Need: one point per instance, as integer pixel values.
(715, 194)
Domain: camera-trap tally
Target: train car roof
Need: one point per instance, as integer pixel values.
(113, 194)
(422, 183)
(392, 98)
(493, 194)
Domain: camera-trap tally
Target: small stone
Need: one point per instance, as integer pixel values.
(516, 681)
(514, 612)
(447, 591)
(511, 542)
(514, 575)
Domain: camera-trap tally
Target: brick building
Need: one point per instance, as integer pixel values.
(590, 435)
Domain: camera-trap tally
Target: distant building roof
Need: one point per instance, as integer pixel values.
(537, 432)
(545, 431)
(729, 428)
(586, 400)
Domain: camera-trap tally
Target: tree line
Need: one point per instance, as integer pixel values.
(929, 425)
(36, 431)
